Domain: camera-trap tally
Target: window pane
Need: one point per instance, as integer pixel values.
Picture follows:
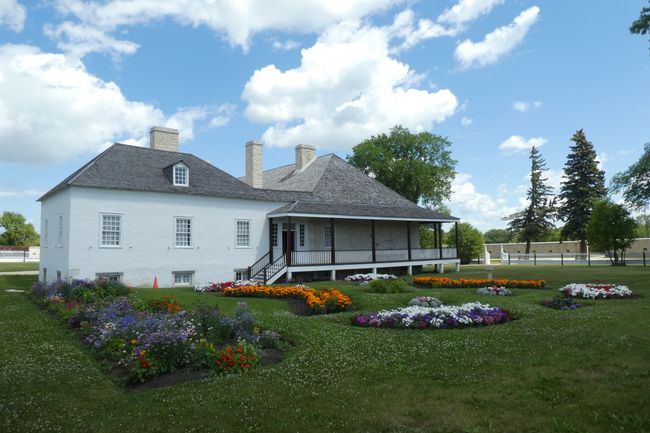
(183, 235)
(111, 228)
(327, 237)
(243, 234)
(180, 175)
(274, 235)
(301, 240)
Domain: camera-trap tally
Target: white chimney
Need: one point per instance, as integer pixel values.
(163, 138)
(254, 164)
(305, 154)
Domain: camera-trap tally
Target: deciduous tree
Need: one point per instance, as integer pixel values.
(17, 232)
(611, 229)
(470, 242)
(418, 166)
(635, 182)
(642, 24)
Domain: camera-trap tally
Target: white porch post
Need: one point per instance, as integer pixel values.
(441, 268)
(409, 270)
(333, 275)
(457, 266)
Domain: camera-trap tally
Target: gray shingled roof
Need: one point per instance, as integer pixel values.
(143, 169)
(328, 186)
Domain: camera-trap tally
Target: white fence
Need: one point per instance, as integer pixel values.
(33, 254)
(567, 259)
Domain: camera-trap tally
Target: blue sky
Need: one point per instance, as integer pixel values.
(494, 76)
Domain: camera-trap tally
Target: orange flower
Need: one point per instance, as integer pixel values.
(476, 282)
(314, 299)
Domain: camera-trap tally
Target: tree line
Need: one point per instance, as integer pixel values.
(420, 167)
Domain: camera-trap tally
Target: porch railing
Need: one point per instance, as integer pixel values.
(324, 257)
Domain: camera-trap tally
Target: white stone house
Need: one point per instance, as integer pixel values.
(134, 214)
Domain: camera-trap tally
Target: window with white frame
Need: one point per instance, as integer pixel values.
(274, 235)
(60, 239)
(111, 230)
(241, 274)
(184, 278)
(327, 236)
(182, 232)
(181, 175)
(301, 235)
(111, 277)
(46, 231)
(243, 234)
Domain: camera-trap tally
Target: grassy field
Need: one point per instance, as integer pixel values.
(18, 266)
(586, 370)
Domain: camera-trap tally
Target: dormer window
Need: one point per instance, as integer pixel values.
(181, 175)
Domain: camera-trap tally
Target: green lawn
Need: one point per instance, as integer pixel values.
(586, 370)
(18, 266)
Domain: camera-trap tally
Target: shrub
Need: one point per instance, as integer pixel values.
(426, 301)
(388, 286)
(494, 291)
(561, 303)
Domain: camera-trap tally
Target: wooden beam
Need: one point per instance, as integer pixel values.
(374, 251)
(456, 226)
(408, 238)
(333, 250)
(271, 240)
(289, 241)
(440, 240)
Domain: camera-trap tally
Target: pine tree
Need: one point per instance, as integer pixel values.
(535, 222)
(584, 183)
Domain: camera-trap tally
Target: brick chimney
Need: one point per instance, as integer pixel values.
(254, 164)
(305, 154)
(163, 138)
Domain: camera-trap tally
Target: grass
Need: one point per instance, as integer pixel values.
(550, 371)
(18, 266)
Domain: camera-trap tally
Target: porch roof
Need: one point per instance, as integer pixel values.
(359, 211)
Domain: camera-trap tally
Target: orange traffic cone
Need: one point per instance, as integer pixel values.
(155, 282)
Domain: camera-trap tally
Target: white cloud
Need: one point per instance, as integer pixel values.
(523, 106)
(405, 28)
(602, 158)
(20, 193)
(224, 115)
(518, 144)
(497, 43)
(287, 45)
(484, 211)
(12, 15)
(346, 89)
(52, 109)
(466, 11)
(466, 121)
(238, 21)
(78, 40)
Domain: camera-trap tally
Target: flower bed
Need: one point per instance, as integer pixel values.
(444, 316)
(365, 278)
(596, 291)
(218, 287)
(493, 291)
(147, 339)
(318, 301)
(475, 282)
(426, 301)
(561, 303)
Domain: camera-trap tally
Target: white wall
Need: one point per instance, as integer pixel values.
(147, 249)
(54, 252)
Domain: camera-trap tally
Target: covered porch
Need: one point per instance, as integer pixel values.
(301, 243)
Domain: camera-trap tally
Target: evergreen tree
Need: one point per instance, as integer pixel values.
(535, 222)
(584, 183)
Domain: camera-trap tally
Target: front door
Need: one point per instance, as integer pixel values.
(292, 239)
